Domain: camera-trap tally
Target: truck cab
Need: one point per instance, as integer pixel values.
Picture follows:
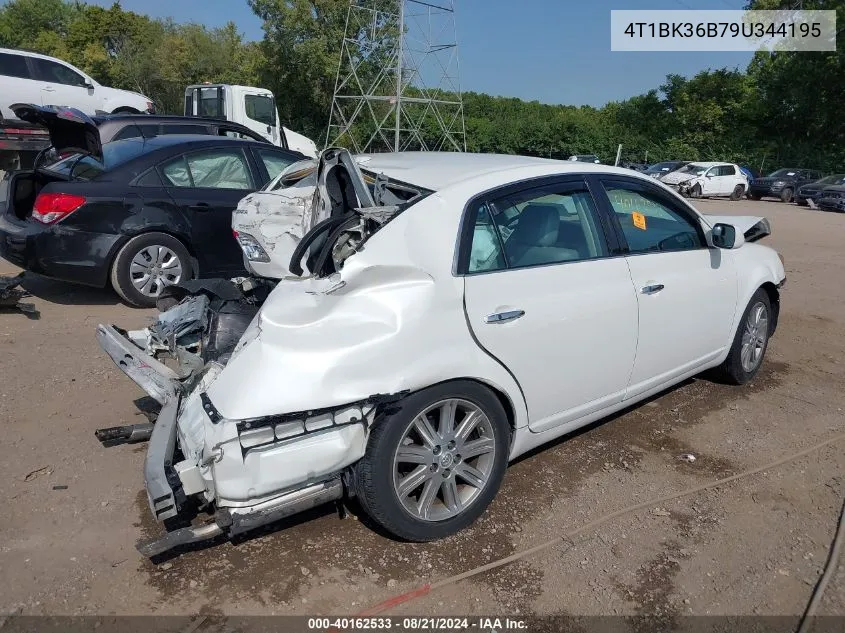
(252, 107)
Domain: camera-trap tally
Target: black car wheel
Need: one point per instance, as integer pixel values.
(146, 264)
(737, 192)
(786, 195)
(801, 202)
(754, 196)
(434, 465)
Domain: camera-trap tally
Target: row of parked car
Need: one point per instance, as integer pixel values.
(803, 186)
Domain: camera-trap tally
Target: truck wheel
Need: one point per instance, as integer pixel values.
(434, 465)
(146, 264)
(786, 195)
(737, 192)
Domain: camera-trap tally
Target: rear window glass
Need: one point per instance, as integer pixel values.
(84, 167)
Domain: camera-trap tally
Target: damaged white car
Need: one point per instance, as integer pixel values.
(432, 316)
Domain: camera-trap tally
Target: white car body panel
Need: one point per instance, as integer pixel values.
(90, 100)
(398, 318)
(551, 349)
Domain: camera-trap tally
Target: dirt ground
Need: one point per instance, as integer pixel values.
(73, 511)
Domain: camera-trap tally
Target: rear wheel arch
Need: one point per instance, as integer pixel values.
(126, 110)
(116, 268)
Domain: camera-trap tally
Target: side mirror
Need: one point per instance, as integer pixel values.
(708, 175)
(89, 85)
(725, 236)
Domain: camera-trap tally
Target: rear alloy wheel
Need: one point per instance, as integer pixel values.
(146, 265)
(737, 192)
(432, 467)
(751, 340)
(786, 195)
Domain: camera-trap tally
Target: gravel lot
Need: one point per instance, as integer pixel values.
(754, 546)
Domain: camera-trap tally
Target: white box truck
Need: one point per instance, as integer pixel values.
(253, 107)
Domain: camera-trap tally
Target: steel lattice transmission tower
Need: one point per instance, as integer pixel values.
(397, 85)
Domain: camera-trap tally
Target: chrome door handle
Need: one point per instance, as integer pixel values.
(650, 290)
(501, 317)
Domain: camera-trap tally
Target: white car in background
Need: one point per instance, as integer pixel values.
(436, 316)
(708, 179)
(32, 78)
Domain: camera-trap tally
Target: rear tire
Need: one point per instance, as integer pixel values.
(149, 261)
(750, 341)
(438, 500)
(737, 192)
(786, 195)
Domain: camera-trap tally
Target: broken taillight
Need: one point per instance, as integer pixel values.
(52, 207)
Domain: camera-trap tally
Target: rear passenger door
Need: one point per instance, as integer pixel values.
(545, 296)
(207, 185)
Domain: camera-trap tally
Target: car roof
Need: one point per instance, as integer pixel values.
(166, 140)
(438, 170)
(20, 51)
(711, 163)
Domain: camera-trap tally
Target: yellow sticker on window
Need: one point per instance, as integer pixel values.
(639, 220)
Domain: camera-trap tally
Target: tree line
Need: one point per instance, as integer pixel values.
(784, 109)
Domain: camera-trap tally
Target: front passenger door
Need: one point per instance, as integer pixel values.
(545, 297)
(686, 292)
(207, 185)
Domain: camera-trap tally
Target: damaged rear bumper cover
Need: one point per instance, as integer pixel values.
(251, 472)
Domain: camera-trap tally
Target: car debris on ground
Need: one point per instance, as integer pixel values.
(11, 295)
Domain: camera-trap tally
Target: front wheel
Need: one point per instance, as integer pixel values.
(432, 467)
(750, 342)
(695, 192)
(146, 264)
(786, 195)
(754, 196)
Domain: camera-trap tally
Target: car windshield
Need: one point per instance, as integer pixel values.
(781, 173)
(835, 179)
(694, 169)
(79, 166)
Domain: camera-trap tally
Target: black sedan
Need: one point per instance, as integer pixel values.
(137, 214)
(814, 190)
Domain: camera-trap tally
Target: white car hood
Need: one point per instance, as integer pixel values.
(674, 177)
(739, 222)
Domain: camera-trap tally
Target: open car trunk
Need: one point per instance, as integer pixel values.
(71, 132)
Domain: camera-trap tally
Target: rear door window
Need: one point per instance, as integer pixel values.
(14, 66)
(274, 161)
(51, 71)
(182, 128)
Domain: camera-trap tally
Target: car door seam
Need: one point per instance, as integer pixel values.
(491, 355)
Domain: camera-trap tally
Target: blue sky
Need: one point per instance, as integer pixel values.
(553, 51)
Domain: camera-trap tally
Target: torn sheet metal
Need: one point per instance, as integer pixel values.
(283, 212)
(187, 318)
(11, 295)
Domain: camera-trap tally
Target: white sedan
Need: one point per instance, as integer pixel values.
(442, 315)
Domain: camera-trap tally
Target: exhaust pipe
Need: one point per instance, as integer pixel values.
(130, 434)
(239, 520)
